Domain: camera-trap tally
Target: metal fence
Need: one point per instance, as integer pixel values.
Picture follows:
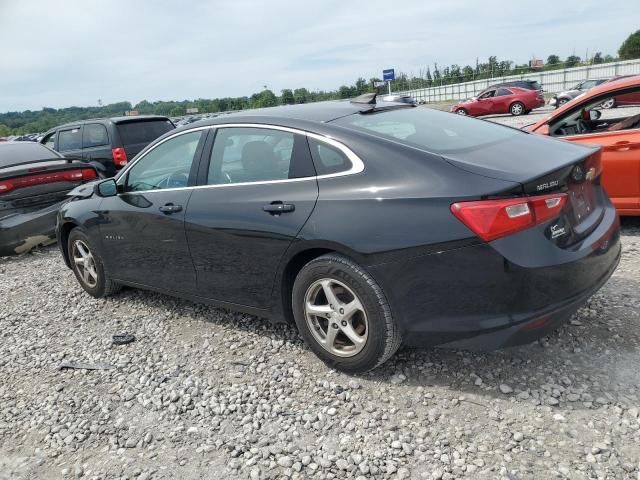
(552, 81)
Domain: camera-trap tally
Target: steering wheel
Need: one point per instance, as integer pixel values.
(176, 180)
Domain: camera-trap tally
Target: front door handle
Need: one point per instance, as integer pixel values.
(170, 208)
(623, 146)
(276, 208)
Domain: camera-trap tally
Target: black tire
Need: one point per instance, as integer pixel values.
(383, 334)
(462, 111)
(102, 285)
(517, 109)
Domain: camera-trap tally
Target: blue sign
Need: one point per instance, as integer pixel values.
(388, 74)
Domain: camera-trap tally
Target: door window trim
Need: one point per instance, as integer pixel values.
(357, 166)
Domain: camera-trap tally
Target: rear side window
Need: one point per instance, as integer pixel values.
(132, 133)
(246, 155)
(428, 129)
(94, 135)
(328, 159)
(70, 140)
(502, 92)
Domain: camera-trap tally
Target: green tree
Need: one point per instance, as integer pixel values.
(301, 95)
(597, 58)
(265, 98)
(572, 61)
(4, 130)
(630, 48)
(287, 97)
(553, 60)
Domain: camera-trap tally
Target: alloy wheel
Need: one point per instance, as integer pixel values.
(85, 264)
(336, 317)
(517, 109)
(461, 111)
(608, 103)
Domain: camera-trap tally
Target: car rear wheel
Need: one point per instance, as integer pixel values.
(343, 315)
(461, 111)
(610, 103)
(516, 108)
(88, 266)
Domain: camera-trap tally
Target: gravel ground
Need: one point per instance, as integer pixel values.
(204, 393)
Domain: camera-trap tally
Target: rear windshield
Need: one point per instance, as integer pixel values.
(429, 129)
(13, 153)
(132, 133)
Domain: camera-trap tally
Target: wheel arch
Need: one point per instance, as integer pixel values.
(65, 231)
(290, 267)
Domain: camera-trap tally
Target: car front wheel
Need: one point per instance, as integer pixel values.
(88, 267)
(343, 315)
(517, 109)
(610, 103)
(461, 111)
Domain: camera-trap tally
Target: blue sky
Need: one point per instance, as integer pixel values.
(63, 53)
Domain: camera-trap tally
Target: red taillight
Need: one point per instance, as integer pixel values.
(493, 219)
(43, 178)
(119, 156)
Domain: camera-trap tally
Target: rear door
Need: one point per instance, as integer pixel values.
(142, 228)
(501, 100)
(261, 189)
(70, 142)
(96, 148)
(136, 134)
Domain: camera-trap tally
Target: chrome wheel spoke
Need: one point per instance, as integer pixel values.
(330, 337)
(78, 260)
(352, 334)
(330, 294)
(85, 264)
(348, 310)
(318, 310)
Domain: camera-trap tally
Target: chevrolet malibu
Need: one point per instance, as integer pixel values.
(368, 224)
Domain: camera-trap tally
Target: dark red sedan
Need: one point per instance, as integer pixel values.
(516, 101)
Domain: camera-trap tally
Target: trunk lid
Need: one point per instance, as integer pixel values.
(542, 171)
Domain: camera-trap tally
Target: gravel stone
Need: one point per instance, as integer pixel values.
(207, 393)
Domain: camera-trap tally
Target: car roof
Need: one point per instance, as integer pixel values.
(318, 112)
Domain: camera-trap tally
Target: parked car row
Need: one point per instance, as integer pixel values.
(35, 177)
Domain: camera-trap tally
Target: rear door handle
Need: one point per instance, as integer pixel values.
(276, 208)
(170, 208)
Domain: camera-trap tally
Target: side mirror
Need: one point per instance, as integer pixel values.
(594, 115)
(106, 188)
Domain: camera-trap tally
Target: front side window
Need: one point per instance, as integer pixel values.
(70, 139)
(166, 166)
(589, 117)
(50, 140)
(488, 94)
(94, 135)
(242, 155)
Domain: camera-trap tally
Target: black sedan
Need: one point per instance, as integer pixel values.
(34, 182)
(368, 224)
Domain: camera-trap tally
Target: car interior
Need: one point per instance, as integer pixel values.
(588, 119)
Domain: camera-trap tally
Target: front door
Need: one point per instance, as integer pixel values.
(142, 227)
(620, 165)
(261, 190)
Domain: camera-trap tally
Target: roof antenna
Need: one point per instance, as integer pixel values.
(365, 99)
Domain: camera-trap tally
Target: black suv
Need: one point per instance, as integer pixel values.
(106, 143)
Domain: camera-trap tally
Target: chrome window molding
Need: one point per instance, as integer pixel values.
(357, 166)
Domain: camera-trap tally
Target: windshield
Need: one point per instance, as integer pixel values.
(429, 129)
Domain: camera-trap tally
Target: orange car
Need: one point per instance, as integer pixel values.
(581, 120)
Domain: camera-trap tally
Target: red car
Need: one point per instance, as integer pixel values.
(516, 101)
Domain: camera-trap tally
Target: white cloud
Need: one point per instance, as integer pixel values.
(73, 52)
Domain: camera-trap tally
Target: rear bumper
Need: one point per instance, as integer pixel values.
(21, 232)
(475, 298)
